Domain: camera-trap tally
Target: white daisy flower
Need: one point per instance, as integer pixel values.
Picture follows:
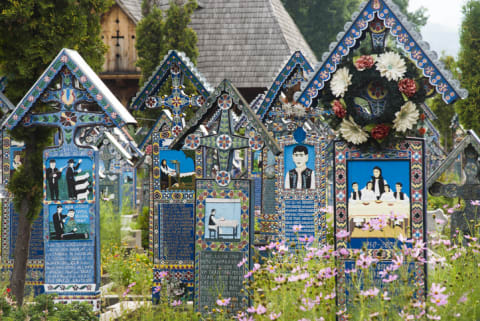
(340, 82)
(352, 132)
(406, 117)
(391, 66)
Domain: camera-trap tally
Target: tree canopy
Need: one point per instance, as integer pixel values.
(157, 33)
(469, 64)
(321, 20)
(443, 111)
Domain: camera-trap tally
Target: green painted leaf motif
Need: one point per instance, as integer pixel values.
(68, 135)
(363, 105)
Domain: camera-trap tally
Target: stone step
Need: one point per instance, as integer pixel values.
(116, 310)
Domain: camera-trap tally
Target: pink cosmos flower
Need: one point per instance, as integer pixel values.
(242, 262)
(342, 234)
(433, 317)
(249, 274)
(297, 228)
(391, 278)
(385, 296)
(280, 279)
(406, 316)
(176, 303)
(163, 274)
(436, 289)
(223, 302)
(364, 261)
(326, 273)
(370, 292)
(475, 202)
(261, 309)
(271, 269)
(439, 299)
(463, 299)
(251, 310)
(275, 316)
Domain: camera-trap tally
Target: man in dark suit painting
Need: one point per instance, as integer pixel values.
(53, 175)
(59, 222)
(72, 170)
(301, 177)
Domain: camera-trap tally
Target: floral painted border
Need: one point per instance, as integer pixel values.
(409, 149)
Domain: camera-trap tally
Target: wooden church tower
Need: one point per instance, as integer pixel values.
(118, 32)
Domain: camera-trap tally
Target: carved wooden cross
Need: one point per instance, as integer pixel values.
(177, 101)
(118, 37)
(465, 220)
(224, 141)
(69, 117)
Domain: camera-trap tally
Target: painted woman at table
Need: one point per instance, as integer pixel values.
(378, 182)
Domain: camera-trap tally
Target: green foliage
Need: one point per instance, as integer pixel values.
(34, 31)
(130, 272)
(110, 224)
(156, 35)
(469, 64)
(321, 20)
(150, 42)
(142, 224)
(418, 18)
(43, 308)
(443, 111)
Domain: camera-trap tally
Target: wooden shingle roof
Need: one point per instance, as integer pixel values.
(133, 8)
(244, 41)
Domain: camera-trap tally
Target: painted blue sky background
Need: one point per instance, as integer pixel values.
(288, 162)
(228, 210)
(393, 171)
(186, 163)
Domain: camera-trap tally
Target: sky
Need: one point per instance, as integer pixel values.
(443, 25)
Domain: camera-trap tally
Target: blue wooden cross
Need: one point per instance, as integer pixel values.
(69, 117)
(177, 101)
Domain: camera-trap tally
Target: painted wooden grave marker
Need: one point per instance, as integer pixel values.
(223, 203)
(463, 220)
(71, 208)
(172, 186)
(292, 195)
(379, 173)
(11, 160)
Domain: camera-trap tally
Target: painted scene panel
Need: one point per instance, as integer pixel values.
(177, 169)
(378, 193)
(69, 178)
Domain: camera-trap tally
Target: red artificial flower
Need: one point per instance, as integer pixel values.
(422, 116)
(364, 62)
(407, 86)
(422, 131)
(380, 131)
(338, 109)
(8, 290)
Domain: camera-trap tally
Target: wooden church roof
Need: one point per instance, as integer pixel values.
(133, 8)
(242, 40)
